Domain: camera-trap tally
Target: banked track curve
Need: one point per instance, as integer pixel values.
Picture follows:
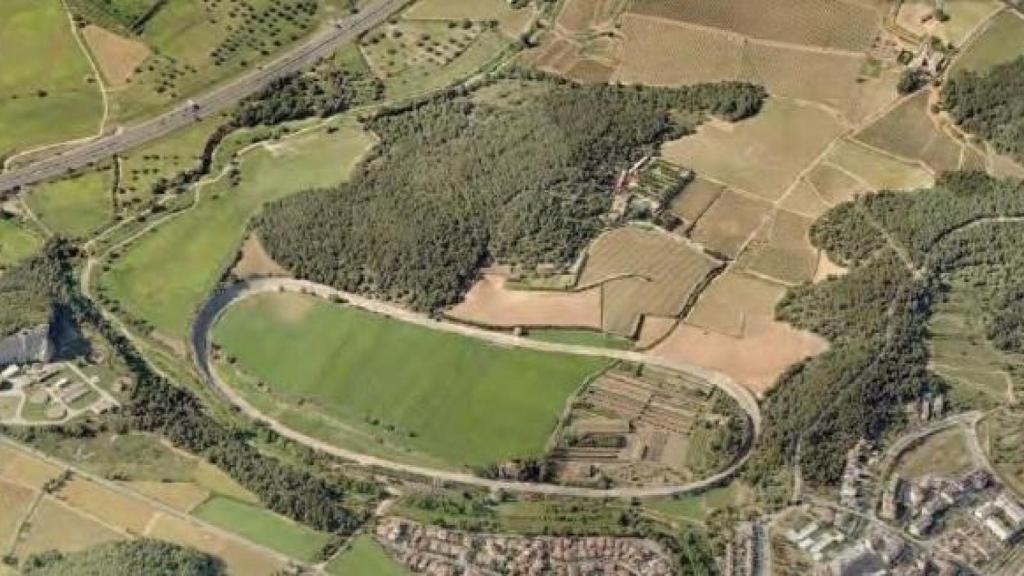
(215, 307)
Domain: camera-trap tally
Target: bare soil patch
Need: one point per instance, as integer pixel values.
(491, 303)
(254, 262)
(116, 56)
(732, 329)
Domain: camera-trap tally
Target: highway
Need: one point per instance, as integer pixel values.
(320, 45)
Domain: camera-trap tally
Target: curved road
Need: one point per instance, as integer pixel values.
(224, 299)
(320, 45)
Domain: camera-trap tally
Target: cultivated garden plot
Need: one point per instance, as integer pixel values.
(642, 426)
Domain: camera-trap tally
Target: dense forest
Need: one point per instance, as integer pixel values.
(990, 105)
(876, 315)
(29, 293)
(158, 406)
(458, 180)
(142, 557)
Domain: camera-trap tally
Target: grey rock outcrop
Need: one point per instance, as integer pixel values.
(30, 345)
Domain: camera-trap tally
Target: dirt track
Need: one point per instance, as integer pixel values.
(223, 300)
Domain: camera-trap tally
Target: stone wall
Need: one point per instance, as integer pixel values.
(31, 345)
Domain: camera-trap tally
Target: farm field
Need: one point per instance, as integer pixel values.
(490, 302)
(758, 155)
(783, 250)
(82, 513)
(47, 87)
(835, 185)
(511, 21)
(662, 52)
(168, 272)
(643, 272)
(877, 170)
(263, 527)
(1002, 41)
(695, 199)
(944, 453)
(365, 557)
(54, 525)
(732, 329)
(460, 400)
(77, 206)
(908, 131)
(728, 224)
(580, 338)
(414, 56)
(581, 16)
(805, 200)
(1001, 435)
(17, 241)
(964, 17)
(828, 23)
(15, 503)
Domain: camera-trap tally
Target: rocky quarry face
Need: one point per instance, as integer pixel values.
(31, 345)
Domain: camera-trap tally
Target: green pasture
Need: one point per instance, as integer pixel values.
(77, 206)
(463, 401)
(263, 527)
(581, 338)
(17, 241)
(166, 275)
(47, 93)
(365, 557)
